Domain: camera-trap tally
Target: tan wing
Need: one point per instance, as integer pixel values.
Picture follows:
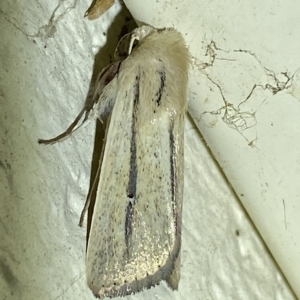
(136, 226)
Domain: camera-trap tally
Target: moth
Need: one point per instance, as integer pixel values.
(135, 234)
(98, 8)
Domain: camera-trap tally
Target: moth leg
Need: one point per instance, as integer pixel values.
(69, 130)
(97, 106)
(88, 199)
(95, 182)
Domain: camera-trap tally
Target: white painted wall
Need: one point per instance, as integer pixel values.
(47, 57)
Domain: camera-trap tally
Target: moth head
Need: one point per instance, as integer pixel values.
(131, 40)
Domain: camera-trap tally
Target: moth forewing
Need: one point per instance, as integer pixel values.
(135, 234)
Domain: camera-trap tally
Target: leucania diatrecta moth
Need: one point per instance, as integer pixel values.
(135, 234)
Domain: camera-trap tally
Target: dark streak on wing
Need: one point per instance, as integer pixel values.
(113, 71)
(162, 75)
(173, 167)
(128, 225)
(131, 188)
